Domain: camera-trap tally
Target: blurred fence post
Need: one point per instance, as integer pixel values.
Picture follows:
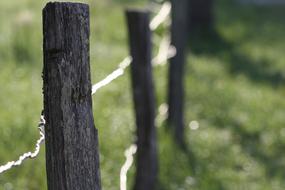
(179, 38)
(143, 94)
(201, 17)
(72, 155)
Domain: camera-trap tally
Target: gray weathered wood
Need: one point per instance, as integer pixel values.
(72, 154)
(179, 39)
(143, 94)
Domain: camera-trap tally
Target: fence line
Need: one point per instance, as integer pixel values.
(132, 150)
(165, 52)
(115, 74)
(129, 154)
(161, 16)
(27, 155)
(162, 114)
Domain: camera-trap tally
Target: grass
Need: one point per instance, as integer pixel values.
(234, 99)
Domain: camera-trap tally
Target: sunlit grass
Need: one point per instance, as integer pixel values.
(234, 99)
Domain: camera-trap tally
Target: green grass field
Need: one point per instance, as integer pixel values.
(235, 108)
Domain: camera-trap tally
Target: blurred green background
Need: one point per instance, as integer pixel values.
(235, 108)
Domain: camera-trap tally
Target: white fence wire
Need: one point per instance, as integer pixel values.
(132, 150)
(165, 52)
(27, 155)
(129, 154)
(115, 74)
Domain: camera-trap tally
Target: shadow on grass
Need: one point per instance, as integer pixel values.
(261, 71)
(251, 144)
(213, 44)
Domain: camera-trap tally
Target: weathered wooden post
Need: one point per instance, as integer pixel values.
(143, 94)
(72, 154)
(179, 39)
(201, 17)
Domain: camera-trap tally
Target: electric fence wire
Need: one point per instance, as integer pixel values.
(132, 150)
(165, 52)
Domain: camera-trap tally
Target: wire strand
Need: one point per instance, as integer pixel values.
(129, 154)
(27, 155)
(161, 16)
(115, 74)
(132, 150)
(166, 51)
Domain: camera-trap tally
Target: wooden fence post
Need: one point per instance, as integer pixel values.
(179, 39)
(143, 94)
(201, 17)
(72, 155)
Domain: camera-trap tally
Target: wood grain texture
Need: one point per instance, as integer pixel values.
(72, 154)
(144, 101)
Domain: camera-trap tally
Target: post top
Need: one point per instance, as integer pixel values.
(67, 4)
(136, 10)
